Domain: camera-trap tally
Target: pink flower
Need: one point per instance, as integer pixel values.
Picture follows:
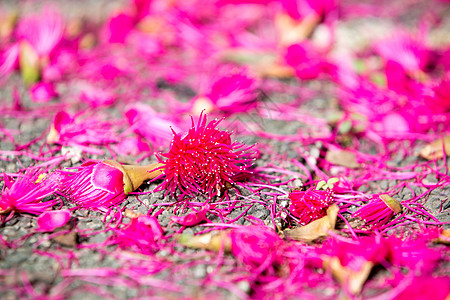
(43, 92)
(9, 59)
(256, 246)
(405, 49)
(299, 9)
(146, 122)
(67, 130)
(43, 31)
(379, 211)
(306, 60)
(100, 185)
(96, 96)
(132, 146)
(311, 204)
(203, 161)
(233, 92)
(142, 235)
(50, 220)
(193, 218)
(25, 194)
(94, 185)
(422, 287)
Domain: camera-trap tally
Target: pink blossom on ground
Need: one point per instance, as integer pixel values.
(204, 160)
(231, 92)
(256, 246)
(405, 49)
(43, 92)
(141, 235)
(43, 31)
(9, 60)
(311, 204)
(25, 193)
(52, 219)
(94, 185)
(355, 253)
(155, 127)
(118, 27)
(422, 287)
(193, 218)
(96, 96)
(306, 60)
(415, 253)
(132, 146)
(68, 130)
(379, 211)
(299, 9)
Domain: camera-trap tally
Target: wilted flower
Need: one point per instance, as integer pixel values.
(233, 92)
(306, 60)
(25, 194)
(141, 235)
(101, 184)
(43, 92)
(311, 204)
(39, 34)
(203, 161)
(256, 245)
(67, 130)
(379, 210)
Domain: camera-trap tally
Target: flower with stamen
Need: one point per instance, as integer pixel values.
(205, 160)
(100, 185)
(25, 194)
(378, 211)
(311, 204)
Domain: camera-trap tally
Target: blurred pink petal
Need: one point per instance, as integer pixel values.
(42, 30)
(43, 92)
(52, 219)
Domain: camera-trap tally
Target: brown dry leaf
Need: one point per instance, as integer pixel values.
(132, 214)
(69, 239)
(210, 241)
(315, 229)
(342, 158)
(292, 31)
(350, 279)
(434, 149)
(444, 237)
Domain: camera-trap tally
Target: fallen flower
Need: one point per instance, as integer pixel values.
(141, 235)
(25, 194)
(203, 161)
(311, 204)
(316, 229)
(101, 184)
(192, 218)
(50, 220)
(43, 92)
(379, 210)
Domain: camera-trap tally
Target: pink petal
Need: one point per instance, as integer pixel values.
(107, 178)
(52, 219)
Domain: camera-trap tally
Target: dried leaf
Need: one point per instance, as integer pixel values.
(434, 149)
(444, 237)
(210, 241)
(342, 158)
(351, 280)
(69, 239)
(315, 229)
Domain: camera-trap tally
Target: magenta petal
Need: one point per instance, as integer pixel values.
(50, 220)
(42, 92)
(107, 178)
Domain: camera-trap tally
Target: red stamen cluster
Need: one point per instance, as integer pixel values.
(311, 204)
(204, 160)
